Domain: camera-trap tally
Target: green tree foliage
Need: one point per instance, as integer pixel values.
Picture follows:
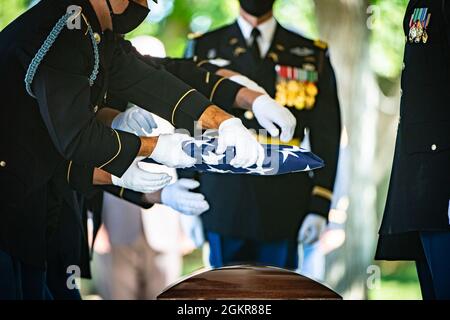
(173, 30)
(10, 9)
(387, 36)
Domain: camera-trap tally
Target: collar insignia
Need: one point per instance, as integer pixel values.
(233, 41)
(280, 47)
(238, 51)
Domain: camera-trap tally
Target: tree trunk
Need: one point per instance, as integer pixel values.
(343, 24)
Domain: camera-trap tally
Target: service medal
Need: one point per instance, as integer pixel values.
(425, 34)
(296, 88)
(419, 33)
(412, 33)
(418, 24)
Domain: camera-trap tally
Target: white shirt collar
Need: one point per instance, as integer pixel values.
(267, 29)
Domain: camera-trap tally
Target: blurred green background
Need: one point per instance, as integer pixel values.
(171, 21)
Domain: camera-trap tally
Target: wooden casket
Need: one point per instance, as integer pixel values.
(248, 283)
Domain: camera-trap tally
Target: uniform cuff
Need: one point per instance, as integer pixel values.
(321, 201)
(208, 66)
(189, 109)
(134, 197)
(224, 93)
(80, 178)
(128, 146)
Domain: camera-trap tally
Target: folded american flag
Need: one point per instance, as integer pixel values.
(279, 159)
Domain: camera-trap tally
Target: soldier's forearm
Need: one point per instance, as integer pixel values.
(245, 98)
(107, 115)
(101, 177)
(212, 117)
(148, 144)
(226, 73)
(152, 198)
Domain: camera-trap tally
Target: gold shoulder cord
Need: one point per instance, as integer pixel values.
(118, 151)
(178, 104)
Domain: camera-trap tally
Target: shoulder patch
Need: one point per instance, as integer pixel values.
(321, 44)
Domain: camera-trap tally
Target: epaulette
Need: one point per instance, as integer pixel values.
(321, 44)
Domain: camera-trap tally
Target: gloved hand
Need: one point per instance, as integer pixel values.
(270, 113)
(135, 120)
(246, 82)
(169, 151)
(312, 228)
(232, 133)
(179, 197)
(141, 180)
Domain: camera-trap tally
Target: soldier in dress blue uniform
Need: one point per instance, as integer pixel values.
(55, 80)
(257, 219)
(417, 214)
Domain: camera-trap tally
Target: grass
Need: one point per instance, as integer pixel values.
(192, 262)
(399, 282)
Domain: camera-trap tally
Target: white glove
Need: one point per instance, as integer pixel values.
(232, 133)
(135, 120)
(312, 228)
(169, 151)
(270, 113)
(178, 197)
(141, 180)
(246, 82)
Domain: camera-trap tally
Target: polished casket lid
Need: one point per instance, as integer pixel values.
(247, 282)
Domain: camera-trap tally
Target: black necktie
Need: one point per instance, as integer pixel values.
(254, 47)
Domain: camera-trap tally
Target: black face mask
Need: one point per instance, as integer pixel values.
(257, 8)
(130, 19)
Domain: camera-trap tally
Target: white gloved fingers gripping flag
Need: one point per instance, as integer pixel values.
(279, 159)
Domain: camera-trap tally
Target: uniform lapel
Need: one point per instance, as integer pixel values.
(276, 48)
(241, 54)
